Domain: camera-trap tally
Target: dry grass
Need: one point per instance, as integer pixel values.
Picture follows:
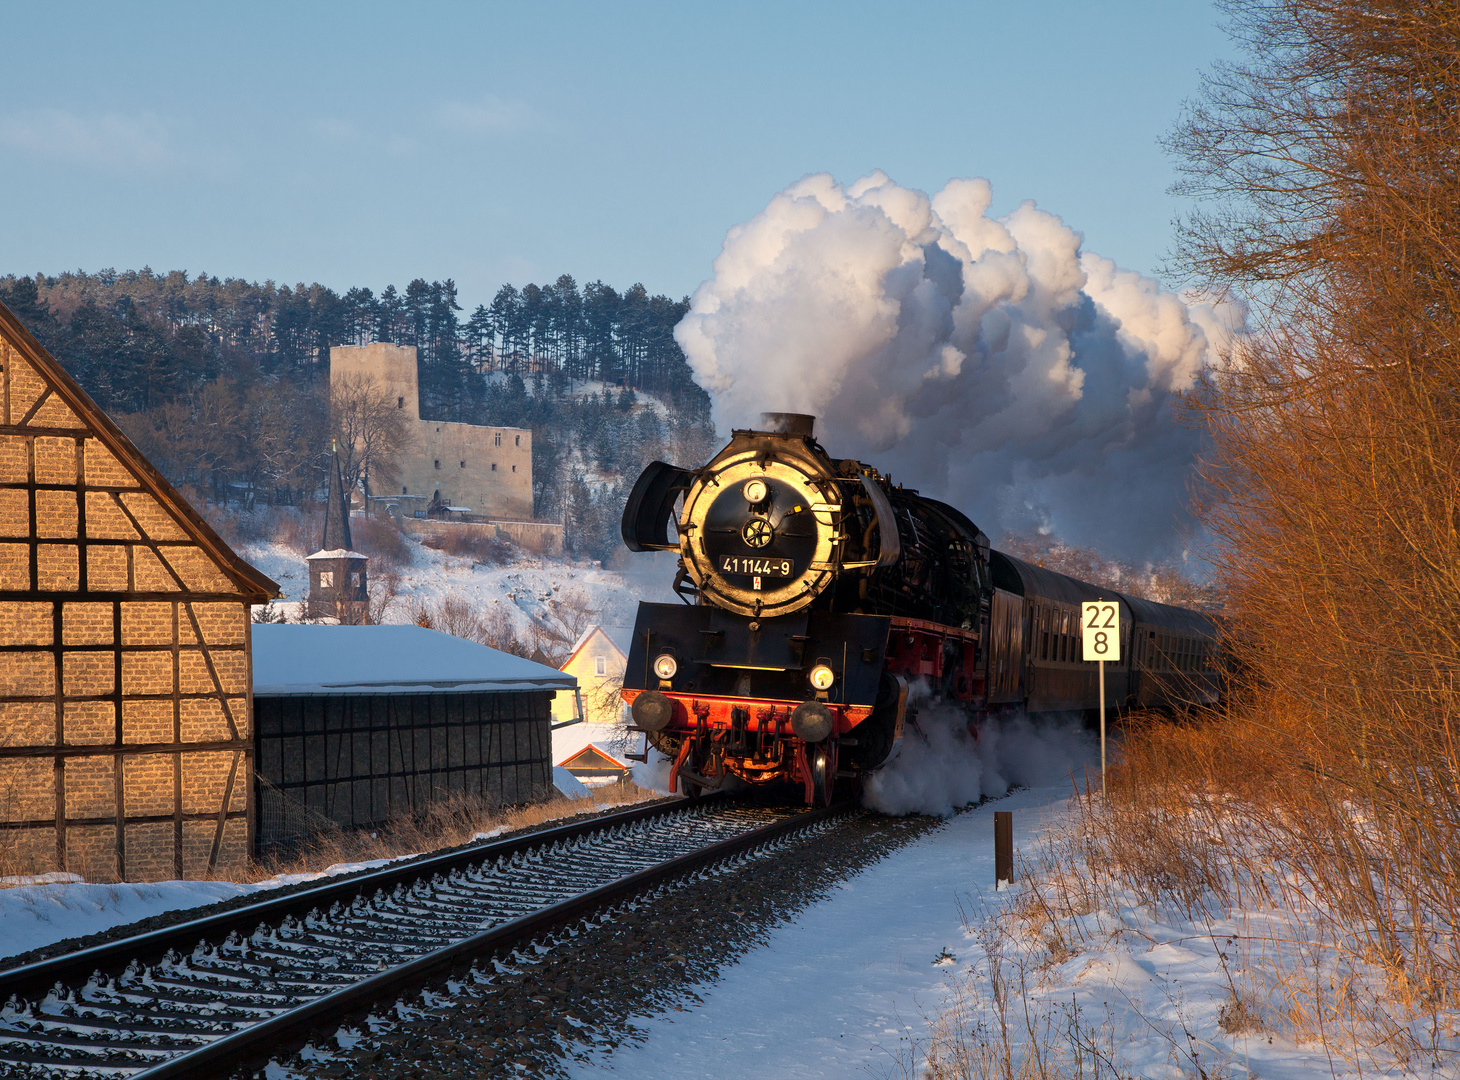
(1346, 937)
(1236, 815)
(449, 822)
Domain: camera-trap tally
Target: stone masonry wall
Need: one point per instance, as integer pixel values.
(125, 741)
(488, 469)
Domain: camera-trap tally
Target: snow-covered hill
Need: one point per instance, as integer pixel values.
(528, 588)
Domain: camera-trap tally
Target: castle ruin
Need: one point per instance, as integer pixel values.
(484, 470)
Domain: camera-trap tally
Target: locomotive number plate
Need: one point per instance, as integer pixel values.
(734, 564)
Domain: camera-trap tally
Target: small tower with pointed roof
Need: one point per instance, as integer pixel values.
(337, 585)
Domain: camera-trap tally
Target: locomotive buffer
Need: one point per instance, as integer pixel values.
(1100, 633)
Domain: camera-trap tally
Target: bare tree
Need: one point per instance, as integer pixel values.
(1328, 165)
(563, 621)
(370, 432)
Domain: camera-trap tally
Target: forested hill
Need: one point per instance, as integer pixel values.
(138, 339)
(223, 382)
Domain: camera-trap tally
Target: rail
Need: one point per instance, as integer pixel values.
(263, 974)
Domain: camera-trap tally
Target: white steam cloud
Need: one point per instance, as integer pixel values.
(942, 766)
(986, 361)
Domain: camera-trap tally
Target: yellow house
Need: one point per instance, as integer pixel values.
(598, 662)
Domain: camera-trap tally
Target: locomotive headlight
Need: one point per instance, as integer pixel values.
(754, 491)
(665, 666)
(822, 677)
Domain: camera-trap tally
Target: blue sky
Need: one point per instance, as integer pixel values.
(364, 144)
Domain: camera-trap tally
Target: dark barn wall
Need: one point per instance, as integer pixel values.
(361, 759)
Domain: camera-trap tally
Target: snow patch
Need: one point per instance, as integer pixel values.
(567, 784)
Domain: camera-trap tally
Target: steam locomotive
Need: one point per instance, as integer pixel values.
(818, 594)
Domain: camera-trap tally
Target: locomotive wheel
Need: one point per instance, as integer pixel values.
(822, 760)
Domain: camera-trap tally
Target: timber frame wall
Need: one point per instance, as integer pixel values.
(126, 738)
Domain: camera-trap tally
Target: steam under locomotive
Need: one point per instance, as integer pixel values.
(817, 594)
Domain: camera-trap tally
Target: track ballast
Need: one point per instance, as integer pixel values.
(228, 987)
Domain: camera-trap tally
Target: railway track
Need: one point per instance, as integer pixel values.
(199, 998)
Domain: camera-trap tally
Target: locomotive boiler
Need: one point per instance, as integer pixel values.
(817, 595)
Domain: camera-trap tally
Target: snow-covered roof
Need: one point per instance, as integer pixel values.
(620, 637)
(570, 740)
(291, 660)
(336, 553)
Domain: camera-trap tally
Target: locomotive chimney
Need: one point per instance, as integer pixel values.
(788, 423)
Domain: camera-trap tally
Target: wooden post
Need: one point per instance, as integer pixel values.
(1103, 797)
(1003, 848)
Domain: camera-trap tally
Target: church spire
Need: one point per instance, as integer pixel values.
(337, 509)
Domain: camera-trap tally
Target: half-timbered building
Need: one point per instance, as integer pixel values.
(125, 709)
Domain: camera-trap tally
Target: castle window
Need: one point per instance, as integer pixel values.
(600, 666)
(400, 403)
(326, 579)
(403, 491)
(463, 464)
(438, 463)
(355, 580)
(494, 466)
(514, 468)
(518, 441)
(497, 439)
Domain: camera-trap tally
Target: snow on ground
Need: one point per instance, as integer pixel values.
(35, 915)
(860, 983)
(842, 989)
(524, 587)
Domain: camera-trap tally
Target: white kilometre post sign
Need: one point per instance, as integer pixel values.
(1100, 632)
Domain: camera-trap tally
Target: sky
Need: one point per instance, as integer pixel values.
(368, 144)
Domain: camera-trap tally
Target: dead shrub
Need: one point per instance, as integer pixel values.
(380, 538)
(1326, 161)
(493, 628)
(469, 543)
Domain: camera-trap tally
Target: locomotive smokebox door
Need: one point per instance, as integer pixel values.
(773, 643)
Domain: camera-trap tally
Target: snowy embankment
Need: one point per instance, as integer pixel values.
(919, 967)
(56, 907)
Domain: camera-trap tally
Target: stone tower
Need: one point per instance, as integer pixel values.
(337, 586)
